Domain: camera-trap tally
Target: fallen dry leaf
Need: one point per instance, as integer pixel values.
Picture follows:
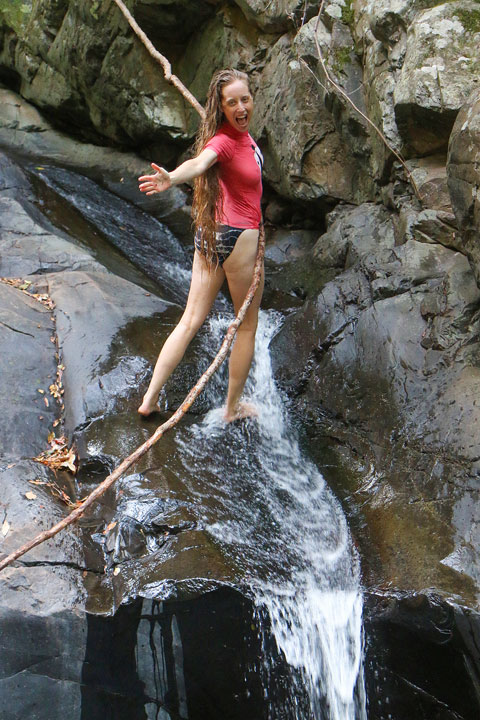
(116, 571)
(5, 527)
(58, 456)
(30, 495)
(41, 391)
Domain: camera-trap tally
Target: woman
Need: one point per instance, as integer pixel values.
(226, 211)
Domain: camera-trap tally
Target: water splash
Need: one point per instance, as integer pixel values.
(271, 511)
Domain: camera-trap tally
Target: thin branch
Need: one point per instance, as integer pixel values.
(162, 429)
(346, 97)
(167, 68)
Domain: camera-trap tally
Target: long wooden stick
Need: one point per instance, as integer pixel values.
(167, 68)
(198, 387)
(162, 429)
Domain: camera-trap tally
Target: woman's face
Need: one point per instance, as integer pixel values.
(237, 104)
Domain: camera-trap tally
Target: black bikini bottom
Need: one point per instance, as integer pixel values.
(226, 237)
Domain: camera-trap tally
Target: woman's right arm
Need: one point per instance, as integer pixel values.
(190, 169)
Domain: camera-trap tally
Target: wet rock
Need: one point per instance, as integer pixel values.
(42, 597)
(288, 262)
(29, 243)
(24, 130)
(417, 646)
(382, 363)
(145, 241)
(462, 169)
(93, 309)
(29, 507)
(27, 365)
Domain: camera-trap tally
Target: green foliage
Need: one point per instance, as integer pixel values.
(342, 57)
(15, 13)
(347, 13)
(94, 9)
(470, 19)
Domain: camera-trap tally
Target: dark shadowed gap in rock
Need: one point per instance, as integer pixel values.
(200, 659)
(110, 686)
(10, 78)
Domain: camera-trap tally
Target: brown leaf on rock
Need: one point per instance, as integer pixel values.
(59, 456)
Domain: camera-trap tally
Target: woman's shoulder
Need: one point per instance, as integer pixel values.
(223, 143)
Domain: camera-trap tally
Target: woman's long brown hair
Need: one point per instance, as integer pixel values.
(207, 195)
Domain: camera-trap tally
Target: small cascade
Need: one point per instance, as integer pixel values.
(269, 508)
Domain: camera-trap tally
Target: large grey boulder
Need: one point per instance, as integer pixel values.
(437, 75)
(68, 61)
(382, 364)
(463, 177)
(310, 160)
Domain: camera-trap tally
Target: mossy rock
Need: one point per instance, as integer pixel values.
(15, 14)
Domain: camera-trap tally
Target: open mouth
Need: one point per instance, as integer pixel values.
(242, 120)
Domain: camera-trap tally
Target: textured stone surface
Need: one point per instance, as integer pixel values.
(464, 177)
(25, 131)
(95, 307)
(27, 365)
(439, 72)
(383, 360)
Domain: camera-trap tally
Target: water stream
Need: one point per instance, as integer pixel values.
(270, 509)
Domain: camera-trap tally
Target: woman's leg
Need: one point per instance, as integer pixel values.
(204, 288)
(239, 271)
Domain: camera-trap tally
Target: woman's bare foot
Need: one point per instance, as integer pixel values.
(242, 410)
(147, 408)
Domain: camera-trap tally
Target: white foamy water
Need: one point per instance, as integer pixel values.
(270, 509)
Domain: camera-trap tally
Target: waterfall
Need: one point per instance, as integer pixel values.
(270, 509)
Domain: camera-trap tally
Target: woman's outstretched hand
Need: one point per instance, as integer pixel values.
(151, 184)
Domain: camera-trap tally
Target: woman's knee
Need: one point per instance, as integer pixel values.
(189, 325)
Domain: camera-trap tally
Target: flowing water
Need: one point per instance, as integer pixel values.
(271, 511)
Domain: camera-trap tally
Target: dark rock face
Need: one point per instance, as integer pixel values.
(27, 133)
(418, 649)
